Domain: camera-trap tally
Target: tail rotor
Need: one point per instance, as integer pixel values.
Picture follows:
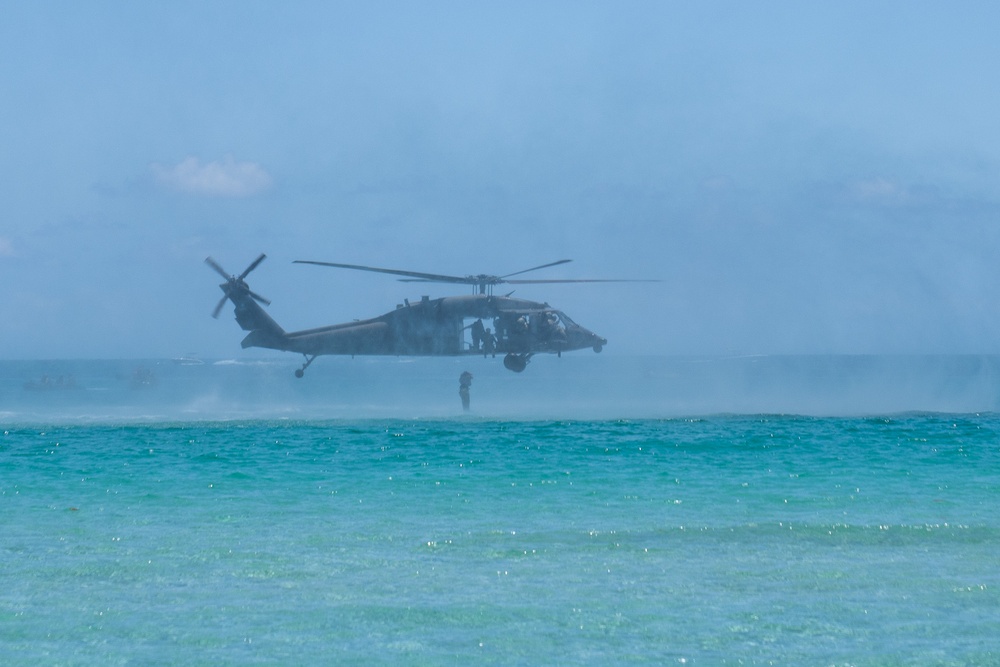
(235, 285)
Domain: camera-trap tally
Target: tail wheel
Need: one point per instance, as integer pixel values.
(299, 372)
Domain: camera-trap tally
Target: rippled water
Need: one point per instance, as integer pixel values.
(711, 540)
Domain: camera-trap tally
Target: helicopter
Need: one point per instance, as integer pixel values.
(519, 328)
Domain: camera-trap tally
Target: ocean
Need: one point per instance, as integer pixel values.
(593, 510)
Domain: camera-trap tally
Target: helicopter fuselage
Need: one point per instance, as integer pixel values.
(476, 324)
(439, 327)
(515, 328)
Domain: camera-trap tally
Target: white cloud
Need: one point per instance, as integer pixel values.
(880, 191)
(225, 178)
(6, 247)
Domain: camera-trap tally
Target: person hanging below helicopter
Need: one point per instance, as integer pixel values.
(464, 384)
(478, 334)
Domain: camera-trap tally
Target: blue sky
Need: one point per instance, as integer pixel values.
(803, 177)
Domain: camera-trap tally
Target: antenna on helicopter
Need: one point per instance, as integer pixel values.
(235, 284)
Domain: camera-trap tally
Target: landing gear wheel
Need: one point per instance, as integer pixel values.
(516, 362)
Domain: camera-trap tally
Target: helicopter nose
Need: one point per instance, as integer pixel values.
(582, 338)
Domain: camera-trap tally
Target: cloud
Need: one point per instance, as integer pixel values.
(6, 247)
(880, 191)
(225, 178)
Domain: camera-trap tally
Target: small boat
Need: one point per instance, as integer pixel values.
(48, 383)
(188, 361)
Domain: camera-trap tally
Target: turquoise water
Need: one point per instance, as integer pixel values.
(706, 540)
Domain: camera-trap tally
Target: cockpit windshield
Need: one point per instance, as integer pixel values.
(564, 318)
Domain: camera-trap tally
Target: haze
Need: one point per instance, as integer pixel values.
(803, 177)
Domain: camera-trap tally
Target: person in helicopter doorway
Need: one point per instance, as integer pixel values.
(478, 334)
(551, 330)
(489, 344)
(464, 383)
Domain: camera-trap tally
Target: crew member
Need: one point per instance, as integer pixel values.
(489, 344)
(477, 334)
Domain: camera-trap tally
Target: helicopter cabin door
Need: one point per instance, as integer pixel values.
(473, 335)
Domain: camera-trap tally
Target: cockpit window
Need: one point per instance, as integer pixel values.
(567, 322)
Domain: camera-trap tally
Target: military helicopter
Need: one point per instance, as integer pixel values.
(519, 329)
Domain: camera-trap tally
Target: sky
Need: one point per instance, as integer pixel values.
(803, 178)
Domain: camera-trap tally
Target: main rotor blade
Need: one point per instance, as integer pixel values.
(252, 266)
(215, 265)
(581, 280)
(426, 277)
(543, 266)
(418, 276)
(548, 282)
